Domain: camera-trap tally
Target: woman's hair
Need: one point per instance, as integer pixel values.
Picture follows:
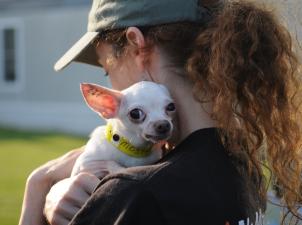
(244, 62)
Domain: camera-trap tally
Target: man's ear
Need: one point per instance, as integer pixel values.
(137, 45)
(104, 101)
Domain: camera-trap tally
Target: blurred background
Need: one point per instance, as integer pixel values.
(33, 36)
(42, 113)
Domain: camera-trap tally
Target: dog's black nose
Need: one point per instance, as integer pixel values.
(162, 126)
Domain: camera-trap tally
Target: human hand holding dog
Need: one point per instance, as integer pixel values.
(67, 196)
(42, 179)
(39, 183)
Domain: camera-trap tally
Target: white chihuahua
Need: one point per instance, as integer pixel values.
(137, 118)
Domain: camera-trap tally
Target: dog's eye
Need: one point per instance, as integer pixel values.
(137, 115)
(170, 107)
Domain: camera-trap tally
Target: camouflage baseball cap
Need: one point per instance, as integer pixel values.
(113, 14)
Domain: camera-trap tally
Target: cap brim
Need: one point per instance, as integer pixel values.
(81, 51)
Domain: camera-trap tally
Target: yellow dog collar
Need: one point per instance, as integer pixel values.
(122, 144)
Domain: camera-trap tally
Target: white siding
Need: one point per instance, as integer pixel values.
(50, 100)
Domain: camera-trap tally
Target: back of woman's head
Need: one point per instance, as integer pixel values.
(243, 62)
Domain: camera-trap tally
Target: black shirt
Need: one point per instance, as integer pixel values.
(196, 183)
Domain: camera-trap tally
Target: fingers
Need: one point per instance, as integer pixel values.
(59, 221)
(100, 168)
(87, 181)
(97, 168)
(39, 183)
(62, 212)
(67, 211)
(66, 197)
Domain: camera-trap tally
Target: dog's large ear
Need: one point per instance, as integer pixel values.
(102, 100)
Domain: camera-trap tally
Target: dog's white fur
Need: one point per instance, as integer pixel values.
(115, 106)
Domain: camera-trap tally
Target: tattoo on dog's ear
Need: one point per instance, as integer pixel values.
(102, 100)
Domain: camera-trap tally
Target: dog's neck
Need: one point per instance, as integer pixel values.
(136, 140)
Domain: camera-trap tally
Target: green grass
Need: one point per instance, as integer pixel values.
(20, 153)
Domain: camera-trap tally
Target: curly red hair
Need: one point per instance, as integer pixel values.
(245, 61)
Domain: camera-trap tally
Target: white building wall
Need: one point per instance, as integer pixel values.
(47, 100)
